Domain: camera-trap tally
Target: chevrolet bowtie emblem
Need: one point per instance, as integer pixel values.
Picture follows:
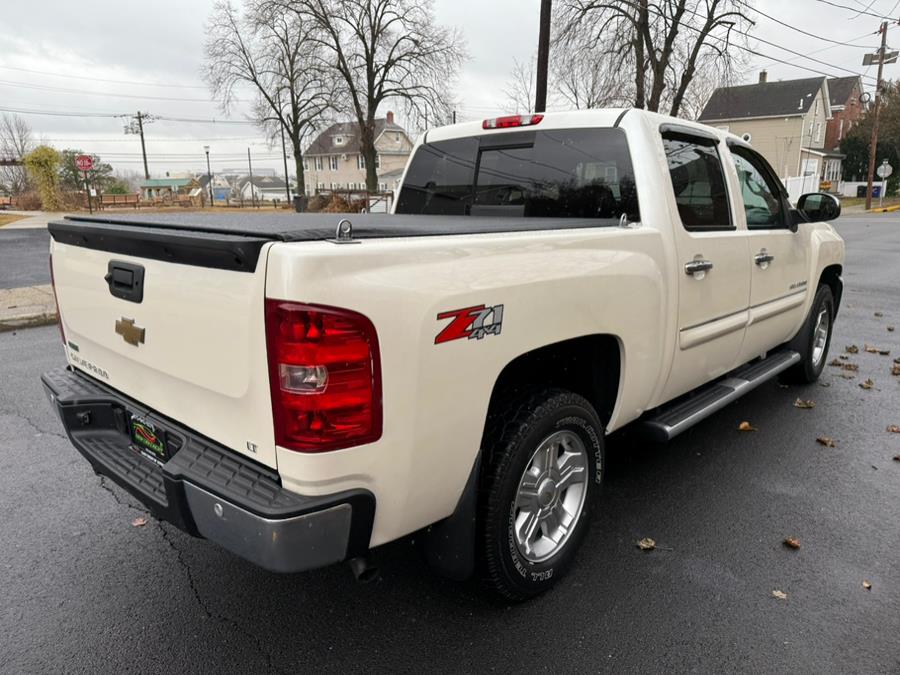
(133, 335)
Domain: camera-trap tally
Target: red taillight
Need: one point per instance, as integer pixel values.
(511, 121)
(62, 332)
(325, 376)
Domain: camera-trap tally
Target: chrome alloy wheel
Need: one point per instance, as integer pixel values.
(820, 337)
(550, 496)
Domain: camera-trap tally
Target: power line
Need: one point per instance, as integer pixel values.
(793, 61)
(771, 44)
(81, 92)
(800, 30)
(856, 9)
(100, 79)
(53, 113)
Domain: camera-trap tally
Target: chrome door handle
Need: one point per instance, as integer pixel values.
(763, 259)
(697, 268)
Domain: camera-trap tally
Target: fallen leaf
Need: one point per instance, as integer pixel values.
(897, 458)
(890, 329)
(746, 426)
(792, 542)
(879, 314)
(806, 405)
(884, 352)
(852, 349)
(843, 357)
(848, 376)
(893, 429)
(871, 349)
(867, 585)
(827, 442)
(781, 595)
(824, 384)
(850, 366)
(868, 384)
(835, 362)
(646, 544)
(895, 370)
(897, 360)
(140, 521)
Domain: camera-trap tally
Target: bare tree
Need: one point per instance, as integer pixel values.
(15, 143)
(383, 50)
(586, 75)
(519, 90)
(661, 44)
(276, 54)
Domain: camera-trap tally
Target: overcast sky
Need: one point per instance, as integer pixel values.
(161, 42)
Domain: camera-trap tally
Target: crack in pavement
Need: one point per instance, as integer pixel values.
(118, 499)
(221, 618)
(31, 423)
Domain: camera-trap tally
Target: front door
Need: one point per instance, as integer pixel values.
(779, 283)
(713, 263)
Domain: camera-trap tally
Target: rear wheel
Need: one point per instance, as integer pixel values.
(544, 462)
(814, 339)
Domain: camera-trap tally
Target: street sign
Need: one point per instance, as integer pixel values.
(84, 162)
(884, 170)
(872, 59)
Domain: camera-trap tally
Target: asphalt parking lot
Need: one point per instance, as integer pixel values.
(82, 590)
(24, 257)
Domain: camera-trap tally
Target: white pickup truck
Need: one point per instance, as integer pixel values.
(302, 388)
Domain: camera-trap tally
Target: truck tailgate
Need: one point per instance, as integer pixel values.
(187, 339)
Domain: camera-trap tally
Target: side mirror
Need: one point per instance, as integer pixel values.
(819, 207)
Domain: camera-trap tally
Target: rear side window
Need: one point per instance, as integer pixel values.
(565, 173)
(698, 182)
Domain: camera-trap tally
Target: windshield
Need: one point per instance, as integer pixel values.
(557, 173)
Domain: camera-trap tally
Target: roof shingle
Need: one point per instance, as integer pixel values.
(324, 144)
(766, 99)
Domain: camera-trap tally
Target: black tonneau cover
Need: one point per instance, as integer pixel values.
(233, 240)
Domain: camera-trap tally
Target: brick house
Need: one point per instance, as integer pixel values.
(333, 161)
(786, 122)
(846, 108)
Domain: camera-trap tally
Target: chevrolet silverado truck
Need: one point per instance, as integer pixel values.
(302, 388)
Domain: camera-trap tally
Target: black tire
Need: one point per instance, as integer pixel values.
(808, 369)
(512, 440)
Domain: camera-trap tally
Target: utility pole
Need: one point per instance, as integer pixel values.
(873, 145)
(543, 58)
(209, 177)
(252, 189)
(136, 126)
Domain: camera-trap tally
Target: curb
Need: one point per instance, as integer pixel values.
(885, 209)
(27, 321)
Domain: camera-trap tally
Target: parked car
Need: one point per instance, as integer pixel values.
(302, 388)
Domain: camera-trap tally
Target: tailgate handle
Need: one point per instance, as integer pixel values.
(125, 280)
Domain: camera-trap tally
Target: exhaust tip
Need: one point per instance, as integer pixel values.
(363, 569)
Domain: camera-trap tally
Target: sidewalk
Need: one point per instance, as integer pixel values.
(27, 306)
(32, 219)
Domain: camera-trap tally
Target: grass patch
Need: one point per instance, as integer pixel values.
(7, 218)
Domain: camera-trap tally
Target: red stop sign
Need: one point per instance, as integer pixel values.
(84, 162)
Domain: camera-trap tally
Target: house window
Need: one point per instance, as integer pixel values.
(377, 161)
(841, 129)
(383, 187)
(318, 163)
(338, 140)
(818, 132)
(333, 159)
(305, 164)
(320, 186)
(360, 162)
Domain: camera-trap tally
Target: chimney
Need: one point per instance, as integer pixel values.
(390, 117)
(763, 76)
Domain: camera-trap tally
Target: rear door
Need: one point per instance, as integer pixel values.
(713, 262)
(779, 256)
(174, 320)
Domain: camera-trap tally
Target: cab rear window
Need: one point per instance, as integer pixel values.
(555, 173)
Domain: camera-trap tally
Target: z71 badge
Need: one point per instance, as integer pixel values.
(472, 323)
